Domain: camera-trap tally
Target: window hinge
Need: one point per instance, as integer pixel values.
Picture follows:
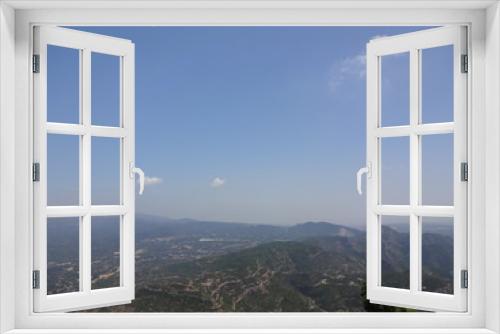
(36, 279)
(464, 171)
(465, 63)
(36, 63)
(464, 279)
(36, 172)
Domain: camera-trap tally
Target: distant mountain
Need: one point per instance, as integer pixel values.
(434, 227)
(280, 276)
(395, 258)
(313, 229)
(147, 226)
(203, 266)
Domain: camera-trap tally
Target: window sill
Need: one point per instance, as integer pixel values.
(254, 331)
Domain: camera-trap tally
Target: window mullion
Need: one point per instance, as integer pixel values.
(123, 173)
(415, 155)
(85, 167)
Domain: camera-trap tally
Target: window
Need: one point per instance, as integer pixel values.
(71, 178)
(412, 120)
(16, 85)
(101, 266)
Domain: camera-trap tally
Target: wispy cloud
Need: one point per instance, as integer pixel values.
(379, 36)
(350, 68)
(217, 182)
(151, 180)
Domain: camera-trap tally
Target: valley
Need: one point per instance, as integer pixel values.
(195, 266)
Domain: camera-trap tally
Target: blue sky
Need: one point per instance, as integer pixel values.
(249, 124)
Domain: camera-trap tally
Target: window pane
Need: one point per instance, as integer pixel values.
(105, 89)
(395, 251)
(105, 252)
(63, 84)
(395, 170)
(437, 169)
(437, 84)
(395, 90)
(437, 254)
(63, 177)
(105, 171)
(63, 264)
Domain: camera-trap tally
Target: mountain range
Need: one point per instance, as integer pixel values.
(205, 266)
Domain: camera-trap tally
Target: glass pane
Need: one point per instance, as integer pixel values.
(437, 84)
(395, 251)
(63, 176)
(395, 170)
(395, 90)
(63, 249)
(437, 169)
(105, 252)
(437, 254)
(105, 89)
(106, 171)
(63, 84)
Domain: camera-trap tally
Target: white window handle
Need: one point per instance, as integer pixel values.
(365, 170)
(136, 170)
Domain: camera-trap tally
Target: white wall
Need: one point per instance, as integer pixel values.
(493, 167)
(7, 177)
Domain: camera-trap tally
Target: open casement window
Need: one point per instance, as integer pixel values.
(83, 138)
(417, 168)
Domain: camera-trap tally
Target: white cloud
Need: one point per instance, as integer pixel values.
(151, 180)
(347, 69)
(217, 182)
(379, 36)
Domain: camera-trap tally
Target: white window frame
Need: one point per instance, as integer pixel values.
(16, 215)
(413, 44)
(85, 43)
